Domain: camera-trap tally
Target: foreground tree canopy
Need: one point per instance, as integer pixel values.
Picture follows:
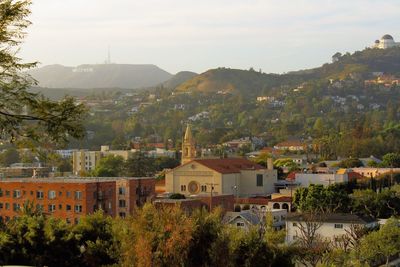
(24, 114)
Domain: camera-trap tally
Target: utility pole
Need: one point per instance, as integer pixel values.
(211, 193)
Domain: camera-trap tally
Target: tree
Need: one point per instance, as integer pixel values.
(311, 244)
(139, 165)
(317, 198)
(9, 156)
(24, 114)
(350, 163)
(381, 245)
(391, 160)
(157, 237)
(94, 237)
(109, 166)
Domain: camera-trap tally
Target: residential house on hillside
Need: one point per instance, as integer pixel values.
(292, 146)
(249, 218)
(328, 226)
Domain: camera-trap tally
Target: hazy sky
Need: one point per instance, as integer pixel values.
(276, 36)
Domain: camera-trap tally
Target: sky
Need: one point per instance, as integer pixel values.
(272, 35)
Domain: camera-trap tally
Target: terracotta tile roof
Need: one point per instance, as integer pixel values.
(229, 165)
(282, 199)
(252, 200)
(291, 176)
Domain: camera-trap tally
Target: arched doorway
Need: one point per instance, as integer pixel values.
(285, 206)
(276, 206)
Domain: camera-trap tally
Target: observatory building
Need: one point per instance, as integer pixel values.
(386, 41)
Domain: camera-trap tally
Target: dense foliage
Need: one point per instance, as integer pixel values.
(152, 237)
(24, 114)
(340, 198)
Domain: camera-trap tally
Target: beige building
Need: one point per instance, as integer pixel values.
(236, 176)
(227, 176)
(188, 146)
(85, 160)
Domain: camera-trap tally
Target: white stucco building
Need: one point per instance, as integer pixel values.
(386, 41)
(327, 226)
(325, 179)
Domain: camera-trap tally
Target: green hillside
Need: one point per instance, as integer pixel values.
(328, 107)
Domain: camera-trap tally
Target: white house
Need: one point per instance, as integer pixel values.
(326, 225)
(326, 179)
(247, 218)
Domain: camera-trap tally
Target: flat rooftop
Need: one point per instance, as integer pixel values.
(77, 180)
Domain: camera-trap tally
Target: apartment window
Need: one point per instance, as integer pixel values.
(68, 194)
(59, 193)
(16, 193)
(122, 214)
(76, 220)
(7, 206)
(16, 207)
(121, 190)
(59, 206)
(68, 207)
(203, 188)
(259, 180)
(7, 193)
(52, 208)
(39, 194)
(68, 220)
(338, 226)
(109, 205)
(78, 194)
(1, 192)
(78, 208)
(122, 203)
(1, 206)
(183, 188)
(52, 194)
(23, 192)
(31, 193)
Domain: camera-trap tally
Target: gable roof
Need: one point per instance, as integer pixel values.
(335, 218)
(248, 216)
(228, 165)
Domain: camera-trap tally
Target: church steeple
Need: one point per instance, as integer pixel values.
(188, 146)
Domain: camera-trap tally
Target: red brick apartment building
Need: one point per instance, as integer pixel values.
(71, 198)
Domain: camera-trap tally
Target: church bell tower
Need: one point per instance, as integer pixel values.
(188, 146)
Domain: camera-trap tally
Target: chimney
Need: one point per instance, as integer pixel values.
(270, 164)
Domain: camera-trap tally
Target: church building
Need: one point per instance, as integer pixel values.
(234, 176)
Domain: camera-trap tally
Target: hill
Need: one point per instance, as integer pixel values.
(233, 81)
(178, 79)
(250, 82)
(127, 76)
